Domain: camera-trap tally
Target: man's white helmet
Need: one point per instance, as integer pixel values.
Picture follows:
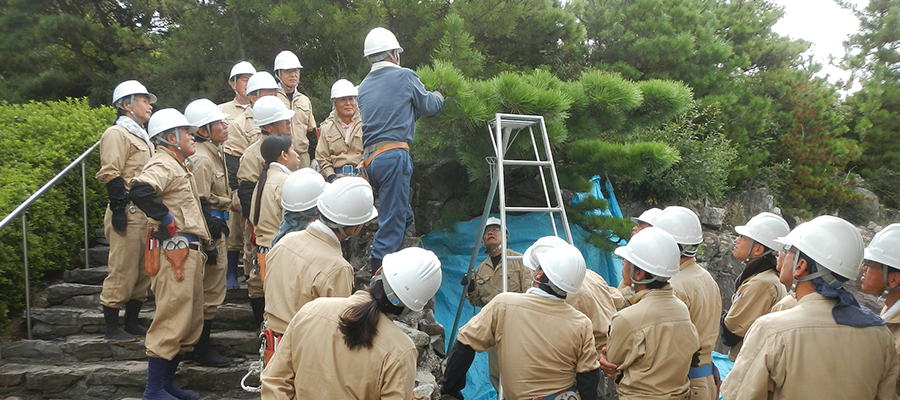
(270, 109)
(343, 88)
(413, 276)
(764, 228)
(302, 189)
(831, 242)
(652, 250)
(682, 223)
(348, 201)
(166, 119)
(287, 60)
(565, 267)
(131, 87)
(203, 111)
(648, 216)
(261, 80)
(885, 247)
(530, 258)
(380, 40)
(241, 68)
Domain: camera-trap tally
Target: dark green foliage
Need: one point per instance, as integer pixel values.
(37, 140)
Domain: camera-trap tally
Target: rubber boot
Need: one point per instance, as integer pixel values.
(132, 315)
(231, 276)
(156, 377)
(259, 308)
(113, 332)
(204, 354)
(169, 381)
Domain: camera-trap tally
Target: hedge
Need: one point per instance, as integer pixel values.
(38, 140)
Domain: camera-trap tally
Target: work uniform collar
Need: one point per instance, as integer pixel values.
(635, 298)
(892, 314)
(283, 168)
(320, 226)
(383, 64)
(687, 263)
(134, 128)
(168, 151)
(539, 292)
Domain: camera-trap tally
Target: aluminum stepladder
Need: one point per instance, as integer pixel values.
(504, 130)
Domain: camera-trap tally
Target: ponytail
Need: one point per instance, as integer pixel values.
(359, 323)
(270, 149)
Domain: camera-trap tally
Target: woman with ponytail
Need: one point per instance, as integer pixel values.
(350, 347)
(265, 209)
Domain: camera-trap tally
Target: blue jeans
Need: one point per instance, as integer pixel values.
(390, 173)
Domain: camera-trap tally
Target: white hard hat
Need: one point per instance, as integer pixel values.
(287, 60)
(166, 119)
(885, 247)
(128, 88)
(652, 250)
(413, 276)
(348, 201)
(203, 111)
(343, 88)
(530, 258)
(682, 223)
(648, 216)
(831, 242)
(380, 40)
(242, 68)
(261, 80)
(765, 228)
(565, 267)
(301, 190)
(270, 109)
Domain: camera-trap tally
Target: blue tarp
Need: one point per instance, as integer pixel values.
(454, 247)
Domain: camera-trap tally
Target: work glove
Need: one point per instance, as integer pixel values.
(217, 227)
(119, 221)
(212, 254)
(314, 164)
(465, 280)
(439, 95)
(331, 178)
(166, 228)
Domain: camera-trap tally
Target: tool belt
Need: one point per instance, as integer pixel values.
(700, 372)
(259, 263)
(175, 249)
(347, 170)
(382, 147)
(219, 214)
(269, 343)
(566, 394)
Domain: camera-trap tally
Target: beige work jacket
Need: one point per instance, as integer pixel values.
(178, 191)
(697, 289)
(893, 324)
(541, 343)
(489, 279)
(122, 154)
(252, 163)
(753, 299)
(269, 205)
(333, 150)
(312, 361)
(233, 109)
(595, 300)
(653, 342)
(786, 303)
(242, 132)
(802, 353)
(302, 122)
(211, 177)
(303, 266)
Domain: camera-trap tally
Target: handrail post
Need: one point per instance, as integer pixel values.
(87, 258)
(27, 281)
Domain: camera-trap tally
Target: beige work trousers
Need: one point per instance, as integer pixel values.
(494, 368)
(126, 279)
(235, 227)
(178, 321)
(704, 388)
(214, 281)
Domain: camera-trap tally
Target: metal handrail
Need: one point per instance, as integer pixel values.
(31, 199)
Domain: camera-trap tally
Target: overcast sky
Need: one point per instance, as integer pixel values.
(823, 23)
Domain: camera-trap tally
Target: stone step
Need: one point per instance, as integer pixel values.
(74, 293)
(84, 348)
(87, 276)
(115, 380)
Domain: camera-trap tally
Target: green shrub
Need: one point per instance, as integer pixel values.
(38, 140)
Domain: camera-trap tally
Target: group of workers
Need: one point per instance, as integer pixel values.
(189, 192)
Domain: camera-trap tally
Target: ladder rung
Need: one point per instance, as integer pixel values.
(527, 163)
(533, 209)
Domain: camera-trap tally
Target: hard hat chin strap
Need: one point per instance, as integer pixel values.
(887, 289)
(645, 281)
(820, 272)
(177, 132)
(748, 258)
(238, 95)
